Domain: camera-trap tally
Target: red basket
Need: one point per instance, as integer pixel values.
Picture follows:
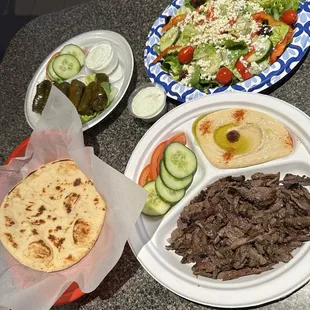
(73, 292)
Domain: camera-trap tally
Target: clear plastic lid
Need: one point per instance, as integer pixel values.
(148, 105)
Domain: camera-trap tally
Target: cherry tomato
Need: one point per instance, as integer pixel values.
(289, 17)
(186, 54)
(224, 76)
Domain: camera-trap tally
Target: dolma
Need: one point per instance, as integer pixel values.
(84, 107)
(101, 77)
(75, 92)
(100, 99)
(41, 96)
(63, 87)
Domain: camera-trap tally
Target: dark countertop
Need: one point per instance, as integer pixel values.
(127, 286)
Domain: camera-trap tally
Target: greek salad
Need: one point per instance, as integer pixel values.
(221, 42)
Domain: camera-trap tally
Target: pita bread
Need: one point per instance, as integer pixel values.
(51, 219)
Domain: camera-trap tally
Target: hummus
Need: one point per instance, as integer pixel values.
(236, 138)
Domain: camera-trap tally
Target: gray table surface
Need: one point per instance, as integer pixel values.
(127, 286)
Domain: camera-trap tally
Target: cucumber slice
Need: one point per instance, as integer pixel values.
(51, 73)
(75, 51)
(263, 48)
(179, 160)
(166, 194)
(154, 206)
(169, 38)
(66, 66)
(172, 182)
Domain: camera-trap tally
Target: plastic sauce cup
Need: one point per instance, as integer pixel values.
(148, 102)
(102, 58)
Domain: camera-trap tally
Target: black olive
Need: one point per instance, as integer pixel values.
(183, 75)
(265, 30)
(167, 19)
(197, 3)
(233, 136)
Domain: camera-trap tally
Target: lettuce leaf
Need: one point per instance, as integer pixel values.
(186, 35)
(188, 4)
(204, 51)
(195, 76)
(182, 10)
(277, 7)
(171, 63)
(111, 91)
(235, 45)
(87, 118)
(278, 34)
(232, 56)
(89, 78)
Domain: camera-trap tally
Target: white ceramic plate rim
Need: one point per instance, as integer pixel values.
(127, 74)
(295, 275)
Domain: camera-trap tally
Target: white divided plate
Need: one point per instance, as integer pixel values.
(149, 238)
(86, 41)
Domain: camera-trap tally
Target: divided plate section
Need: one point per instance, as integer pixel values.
(230, 293)
(148, 224)
(87, 41)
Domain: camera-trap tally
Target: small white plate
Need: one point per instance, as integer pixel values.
(86, 41)
(149, 238)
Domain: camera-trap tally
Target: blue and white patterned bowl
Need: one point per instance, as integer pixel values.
(290, 58)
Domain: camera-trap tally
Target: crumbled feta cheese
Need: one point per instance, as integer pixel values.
(218, 21)
(243, 61)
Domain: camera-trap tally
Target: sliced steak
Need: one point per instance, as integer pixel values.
(237, 227)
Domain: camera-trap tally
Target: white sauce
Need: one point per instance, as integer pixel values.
(102, 58)
(148, 102)
(99, 56)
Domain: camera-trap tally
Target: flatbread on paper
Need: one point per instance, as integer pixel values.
(51, 219)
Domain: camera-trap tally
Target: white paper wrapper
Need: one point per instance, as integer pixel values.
(59, 135)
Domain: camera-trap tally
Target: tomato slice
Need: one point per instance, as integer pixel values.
(210, 14)
(243, 70)
(158, 153)
(232, 21)
(254, 34)
(180, 137)
(145, 175)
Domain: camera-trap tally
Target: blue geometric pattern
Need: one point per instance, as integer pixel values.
(273, 74)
